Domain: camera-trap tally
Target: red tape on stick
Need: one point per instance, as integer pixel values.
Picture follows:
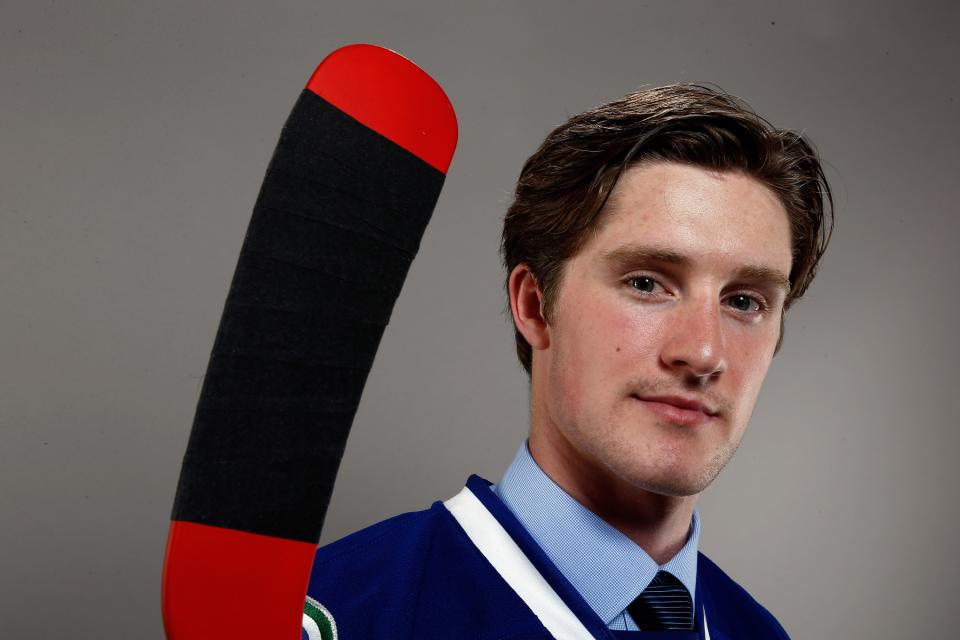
(392, 96)
(233, 584)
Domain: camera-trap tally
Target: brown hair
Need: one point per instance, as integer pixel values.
(564, 185)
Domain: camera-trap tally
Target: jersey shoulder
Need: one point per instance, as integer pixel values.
(416, 575)
(376, 569)
(737, 613)
(374, 554)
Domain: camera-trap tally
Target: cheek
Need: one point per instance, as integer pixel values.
(606, 347)
(640, 336)
(581, 347)
(633, 336)
(749, 362)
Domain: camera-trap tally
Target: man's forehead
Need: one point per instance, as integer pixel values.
(686, 216)
(680, 184)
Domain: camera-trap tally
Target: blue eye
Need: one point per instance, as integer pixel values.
(742, 302)
(645, 284)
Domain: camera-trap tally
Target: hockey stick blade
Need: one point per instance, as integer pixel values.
(344, 204)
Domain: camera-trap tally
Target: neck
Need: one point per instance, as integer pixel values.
(658, 523)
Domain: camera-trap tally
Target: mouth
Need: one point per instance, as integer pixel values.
(679, 410)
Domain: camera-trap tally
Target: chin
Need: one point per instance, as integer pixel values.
(678, 477)
(674, 486)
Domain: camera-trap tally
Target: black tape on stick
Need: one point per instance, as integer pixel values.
(334, 230)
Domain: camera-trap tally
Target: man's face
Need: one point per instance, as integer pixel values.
(664, 326)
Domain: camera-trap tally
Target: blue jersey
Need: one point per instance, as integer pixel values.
(466, 568)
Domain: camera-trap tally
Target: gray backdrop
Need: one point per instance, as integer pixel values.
(134, 139)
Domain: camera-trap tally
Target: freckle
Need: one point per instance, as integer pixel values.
(618, 349)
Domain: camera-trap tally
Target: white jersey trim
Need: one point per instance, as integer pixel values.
(515, 568)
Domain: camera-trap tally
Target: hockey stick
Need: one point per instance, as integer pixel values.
(343, 206)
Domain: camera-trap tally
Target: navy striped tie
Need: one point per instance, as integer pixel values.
(664, 605)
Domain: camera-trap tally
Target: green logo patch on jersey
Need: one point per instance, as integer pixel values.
(318, 622)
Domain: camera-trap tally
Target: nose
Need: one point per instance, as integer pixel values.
(694, 343)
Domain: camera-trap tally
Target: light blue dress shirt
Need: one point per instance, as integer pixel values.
(607, 568)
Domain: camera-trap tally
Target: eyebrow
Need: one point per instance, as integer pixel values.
(765, 276)
(632, 254)
(629, 256)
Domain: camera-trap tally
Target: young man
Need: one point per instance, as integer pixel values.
(652, 249)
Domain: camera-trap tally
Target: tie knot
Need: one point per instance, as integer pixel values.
(664, 605)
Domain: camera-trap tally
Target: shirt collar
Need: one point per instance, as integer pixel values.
(608, 569)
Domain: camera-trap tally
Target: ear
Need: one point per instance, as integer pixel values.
(526, 304)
